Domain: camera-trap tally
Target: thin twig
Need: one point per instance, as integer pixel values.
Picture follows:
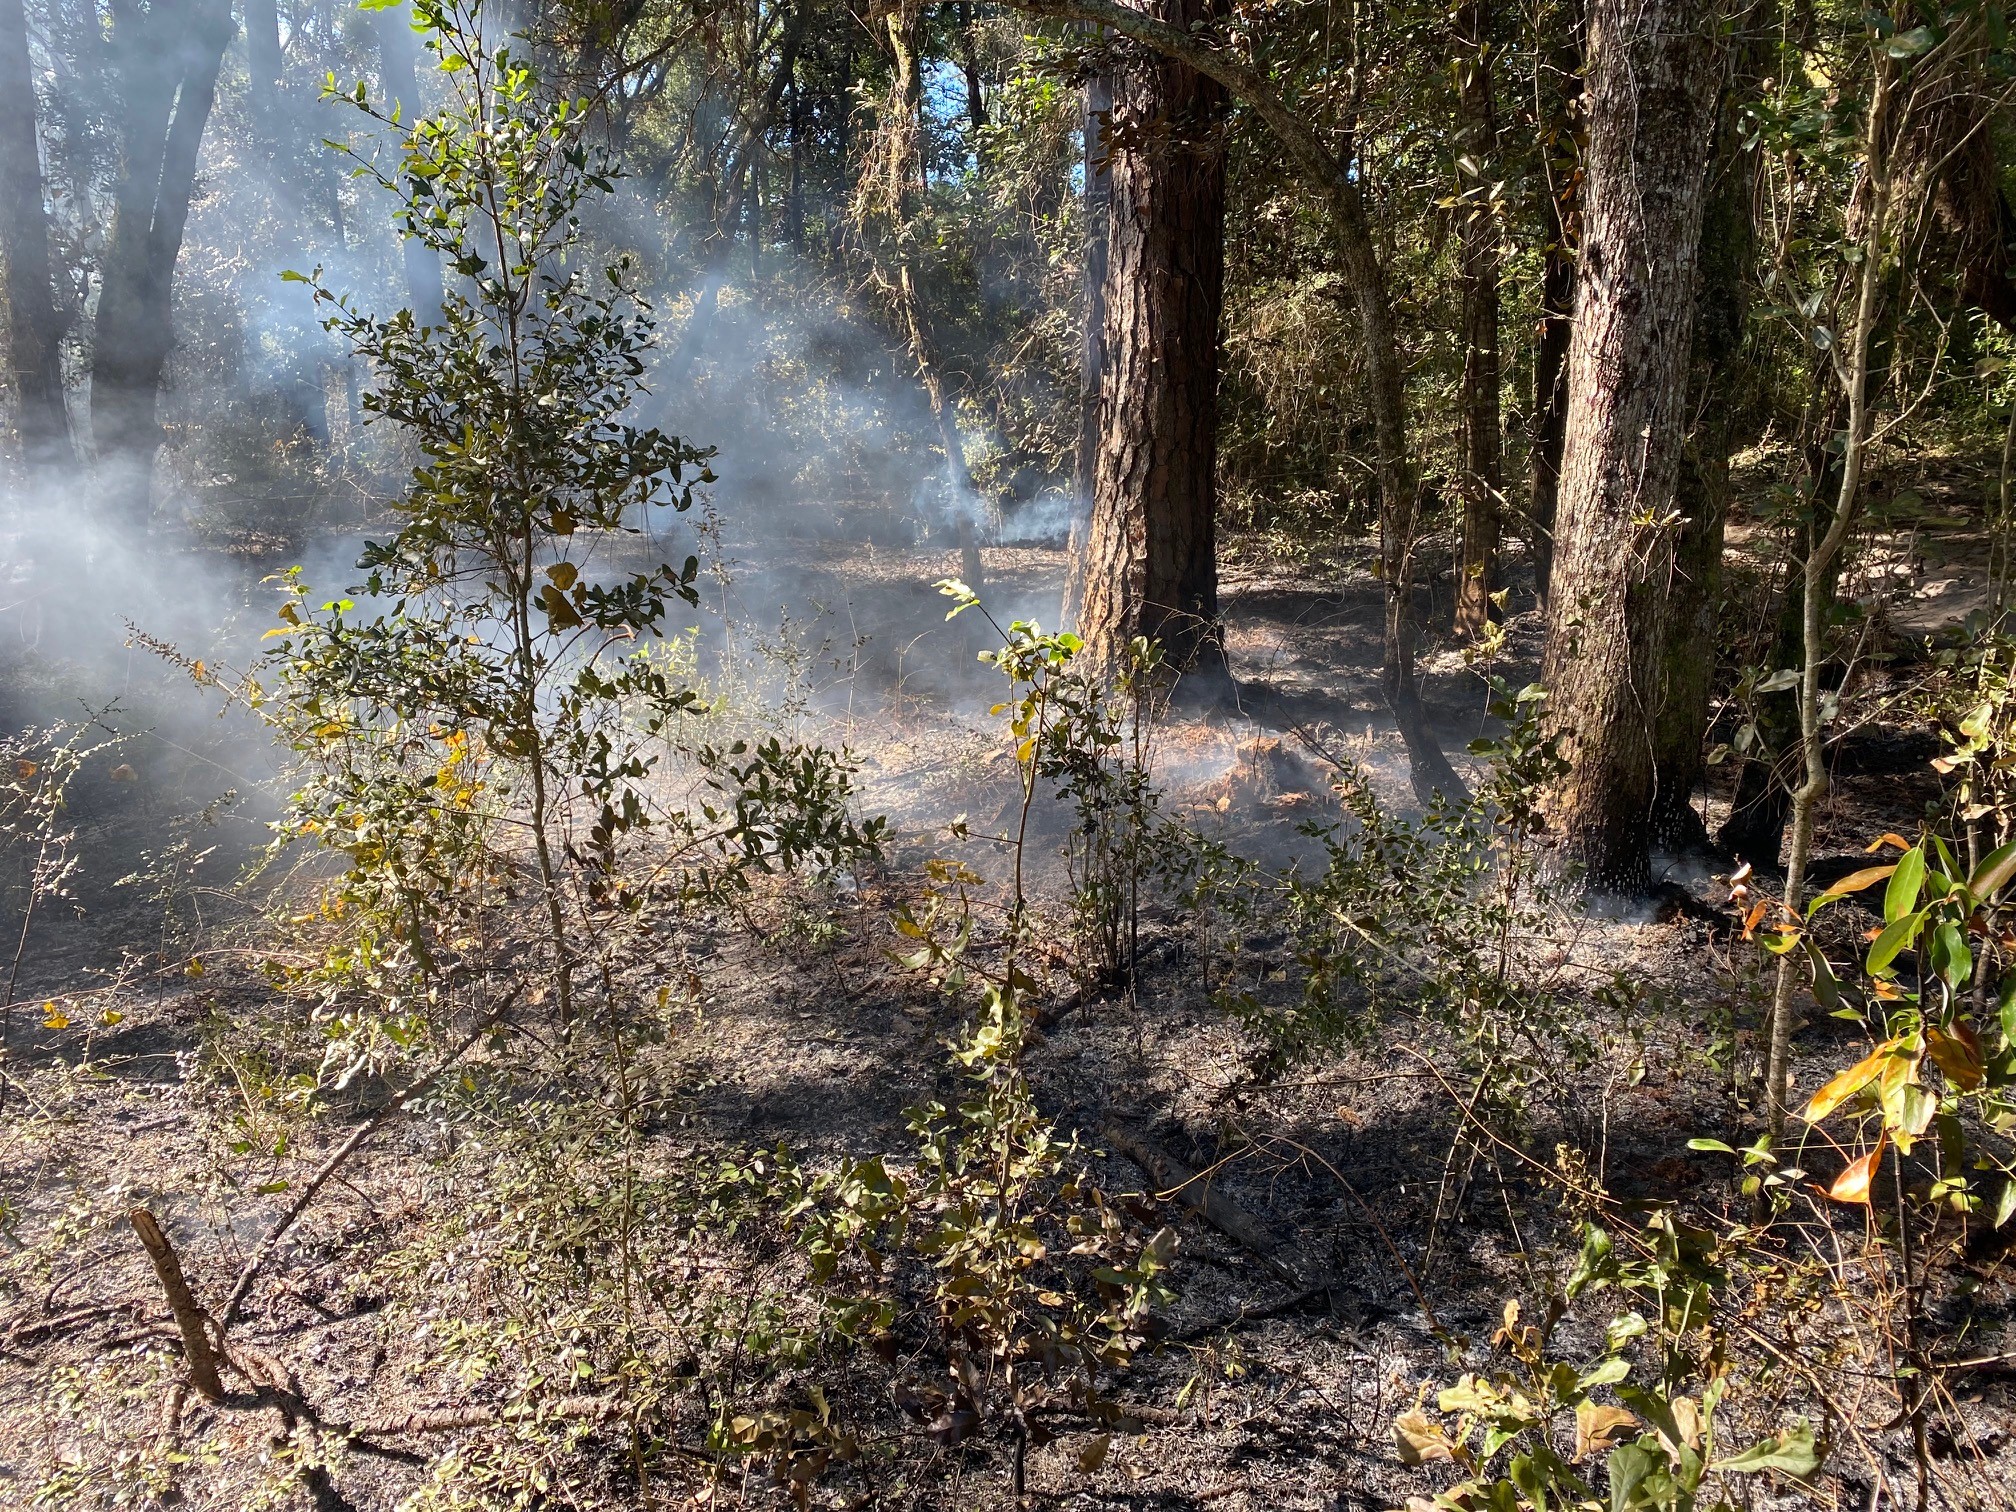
(342, 1152)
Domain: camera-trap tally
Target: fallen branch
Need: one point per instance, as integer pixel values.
(1172, 1178)
(189, 1316)
(1281, 1307)
(454, 1419)
(34, 1330)
(314, 1184)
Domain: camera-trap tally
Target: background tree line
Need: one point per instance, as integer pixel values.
(1511, 287)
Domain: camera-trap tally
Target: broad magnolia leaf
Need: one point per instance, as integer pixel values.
(1847, 1083)
(1420, 1439)
(1852, 1185)
(1957, 1052)
(1598, 1430)
(1792, 1451)
(1990, 876)
(1854, 882)
(1907, 880)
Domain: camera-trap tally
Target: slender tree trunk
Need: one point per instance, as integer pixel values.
(1150, 562)
(1098, 203)
(1721, 315)
(1547, 428)
(1483, 485)
(1651, 92)
(35, 325)
(1854, 371)
(168, 61)
(396, 51)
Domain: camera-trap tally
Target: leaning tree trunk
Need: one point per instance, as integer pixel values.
(167, 61)
(1721, 315)
(35, 324)
(1651, 94)
(1483, 485)
(1150, 562)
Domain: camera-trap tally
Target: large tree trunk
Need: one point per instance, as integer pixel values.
(1651, 95)
(1150, 562)
(1721, 315)
(35, 324)
(167, 59)
(1483, 482)
(1386, 381)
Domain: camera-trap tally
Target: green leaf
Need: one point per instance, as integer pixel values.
(1990, 876)
(2005, 1205)
(1901, 896)
(1715, 1145)
(1911, 44)
(1894, 938)
(1792, 1451)
(1629, 1465)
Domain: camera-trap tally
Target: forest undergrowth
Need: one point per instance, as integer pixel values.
(624, 1082)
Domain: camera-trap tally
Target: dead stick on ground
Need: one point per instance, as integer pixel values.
(1174, 1179)
(343, 1152)
(189, 1317)
(452, 1419)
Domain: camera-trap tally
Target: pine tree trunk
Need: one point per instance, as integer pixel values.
(167, 69)
(1651, 91)
(35, 325)
(1150, 562)
(1483, 481)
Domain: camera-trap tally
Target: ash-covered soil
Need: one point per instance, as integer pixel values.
(1382, 1228)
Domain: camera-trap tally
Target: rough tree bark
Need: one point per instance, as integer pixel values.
(1721, 315)
(1651, 94)
(1386, 387)
(35, 322)
(1149, 567)
(1483, 483)
(167, 56)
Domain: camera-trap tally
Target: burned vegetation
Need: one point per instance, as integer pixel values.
(1053, 753)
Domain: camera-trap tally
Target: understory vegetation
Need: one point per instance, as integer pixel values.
(597, 1023)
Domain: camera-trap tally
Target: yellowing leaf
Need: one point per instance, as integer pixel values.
(1957, 1053)
(1854, 882)
(25, 769)
(1887, 839)
(54, 1017)
(1847, 1083)
(1600, 1429)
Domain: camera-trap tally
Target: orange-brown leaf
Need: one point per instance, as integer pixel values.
(1852, 1185)
(1957, 1053)
(1847, 1083)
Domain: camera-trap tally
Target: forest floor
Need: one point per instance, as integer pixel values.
(1382, 1237)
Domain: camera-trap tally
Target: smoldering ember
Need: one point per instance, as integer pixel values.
(1004, 754)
